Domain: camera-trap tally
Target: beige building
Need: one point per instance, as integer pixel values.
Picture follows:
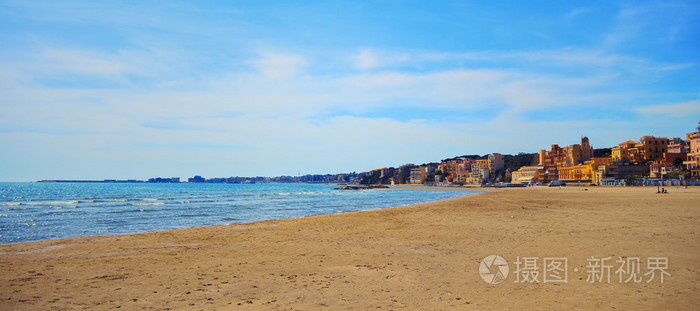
(495, 163)
(677, 145)
(416, 175)
(524, 175)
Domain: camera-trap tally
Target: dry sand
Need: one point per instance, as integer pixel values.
(419, 257)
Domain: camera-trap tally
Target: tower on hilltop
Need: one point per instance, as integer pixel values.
(586, 149)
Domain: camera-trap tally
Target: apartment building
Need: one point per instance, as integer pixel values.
(693, 162)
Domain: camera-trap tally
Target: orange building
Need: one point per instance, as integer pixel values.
(693, 162)
(647, 149)
(584, 173)
(653, 148)
(455, 171)
(557, 157)
(479, 171)
(625, 152)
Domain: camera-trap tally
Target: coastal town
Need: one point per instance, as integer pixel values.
(646, 161)
(650, 160)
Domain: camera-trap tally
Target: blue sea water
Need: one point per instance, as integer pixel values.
(42, 211)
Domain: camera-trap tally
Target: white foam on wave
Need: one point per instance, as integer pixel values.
(144, 204)
(61, 207)
(51, 202)
(307, 192)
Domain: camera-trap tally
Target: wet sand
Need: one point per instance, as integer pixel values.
(418, 257)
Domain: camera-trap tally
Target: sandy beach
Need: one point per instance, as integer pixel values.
(424, 257)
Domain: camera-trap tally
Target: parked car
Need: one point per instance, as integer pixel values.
(556, 183)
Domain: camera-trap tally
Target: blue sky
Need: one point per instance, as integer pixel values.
(135, 89)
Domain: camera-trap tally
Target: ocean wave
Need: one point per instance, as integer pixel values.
(50, 202)
(147, 204)
(14, 209)
(107, 200)
(306, 193)
(126, 212)
(10, 203)
(192, 215)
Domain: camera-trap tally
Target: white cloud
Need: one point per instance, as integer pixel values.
(685, 109)
(275, 116)
(277, 65)
(86, 62)
(366, 60)
(282, 89)
(583, 61)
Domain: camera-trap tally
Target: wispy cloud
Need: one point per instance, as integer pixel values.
(89, 63)
(585, 61)
(366, 60)
(685, 109)
(380, 59)
(579, 11)
(643, 25)
(277, 65)
(281, 86)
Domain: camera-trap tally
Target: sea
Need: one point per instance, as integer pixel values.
(44, 211)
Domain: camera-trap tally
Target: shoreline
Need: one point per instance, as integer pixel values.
(264, 220)
(472, 191)
(419, 256)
